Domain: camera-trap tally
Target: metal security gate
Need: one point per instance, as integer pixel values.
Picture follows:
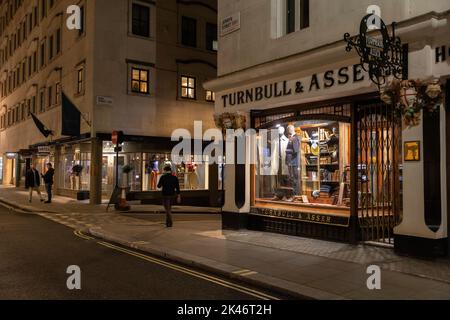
(379, 171)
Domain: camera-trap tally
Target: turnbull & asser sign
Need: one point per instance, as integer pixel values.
(313, 83)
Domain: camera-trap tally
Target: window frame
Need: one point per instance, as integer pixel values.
(210, 40)
(81, 70)
(58, 90)
(42, 100)
(186, 41)
(188, 87)
(141, 22)
(139, 81)
(213, 96)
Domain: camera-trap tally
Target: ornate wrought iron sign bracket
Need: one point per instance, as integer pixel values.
(381, 55)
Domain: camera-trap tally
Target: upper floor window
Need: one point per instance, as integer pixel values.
(50, 96)
(139, 80)
(43, 9)
(58, 41)
(42, 63)
(58, 93)
(210, 96)
(35, 15)
(83, 21)
(189, 32)
(80, 80)
(50, 47)
(289, 16)
(297, 15)
(211, 37)
(140, 20)
(42, 100)
(188, 87)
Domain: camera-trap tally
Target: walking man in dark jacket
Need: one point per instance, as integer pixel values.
(48, 180)
(33, 182)
(170, 187)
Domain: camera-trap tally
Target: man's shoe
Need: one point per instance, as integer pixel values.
(47, 202)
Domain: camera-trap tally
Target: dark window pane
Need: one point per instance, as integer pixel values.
(189, 32)
(290, 16)
(211, 36)
(82, 17)
(141, 20)
(58, 41)
(304, 14)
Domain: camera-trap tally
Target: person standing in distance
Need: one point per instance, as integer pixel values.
(170, 188)
(48, 180)
(33, 182)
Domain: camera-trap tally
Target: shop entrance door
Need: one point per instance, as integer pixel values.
(379, 172)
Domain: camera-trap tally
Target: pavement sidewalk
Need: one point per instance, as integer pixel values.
(13, 196)
(305, 268)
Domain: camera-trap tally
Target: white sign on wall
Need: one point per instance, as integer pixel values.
(101, 100)
(230, 24)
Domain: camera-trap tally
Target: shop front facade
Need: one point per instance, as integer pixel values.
(341, 163)
(145, 158)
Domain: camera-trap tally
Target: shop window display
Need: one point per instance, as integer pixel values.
(147, 169)
(75, 171)
(309, 165)
(192, 176)
(132, 179)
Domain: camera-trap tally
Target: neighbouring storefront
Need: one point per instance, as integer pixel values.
(140, 165)
(146, 166)
(10, 168)
(346, 160)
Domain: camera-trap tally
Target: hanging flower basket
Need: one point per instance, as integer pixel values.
(410, 97)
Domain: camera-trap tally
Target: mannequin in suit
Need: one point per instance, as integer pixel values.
(293, 157)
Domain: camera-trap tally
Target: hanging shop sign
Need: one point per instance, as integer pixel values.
(381, 55)
(11, 155)
(341, 221)
(44, 150)
(314, 83)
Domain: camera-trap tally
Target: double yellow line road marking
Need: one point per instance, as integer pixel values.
(224, 283)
